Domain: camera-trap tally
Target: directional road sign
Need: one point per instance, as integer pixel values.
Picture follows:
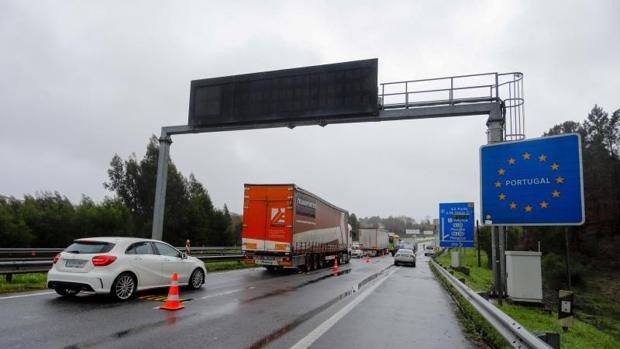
(456, 224)
(533, 182)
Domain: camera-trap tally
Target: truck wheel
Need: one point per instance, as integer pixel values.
(315, 262)
(308, 263)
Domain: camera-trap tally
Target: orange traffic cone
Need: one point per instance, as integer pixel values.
(367, 258)
(172, 302)
(335, 269)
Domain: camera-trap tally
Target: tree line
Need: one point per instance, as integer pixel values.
(49, 219)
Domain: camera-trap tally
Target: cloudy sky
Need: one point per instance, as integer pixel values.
(83, 80)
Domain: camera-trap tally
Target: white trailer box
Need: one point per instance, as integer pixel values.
(524, 276)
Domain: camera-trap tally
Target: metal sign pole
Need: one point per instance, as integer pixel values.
(502, 260)
(495, 134)
(160, 188)
(568, 276)
(478, 240)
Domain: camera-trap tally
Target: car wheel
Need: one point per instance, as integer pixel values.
(66, 292)
(396, 263)
(196, 280)
(124, 287)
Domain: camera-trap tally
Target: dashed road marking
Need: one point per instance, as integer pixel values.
(307, 341)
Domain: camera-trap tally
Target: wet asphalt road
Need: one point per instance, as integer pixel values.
(367, 305)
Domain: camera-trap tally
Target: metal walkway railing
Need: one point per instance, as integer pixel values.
(505, 88)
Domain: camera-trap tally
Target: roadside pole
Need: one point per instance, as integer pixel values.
(160, 189)
(502, 260)
(568, 276)
(495, 134)
(478, 240)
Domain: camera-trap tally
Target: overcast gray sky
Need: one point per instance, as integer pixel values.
(83, 80)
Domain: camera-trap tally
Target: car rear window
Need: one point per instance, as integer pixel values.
(85, 247)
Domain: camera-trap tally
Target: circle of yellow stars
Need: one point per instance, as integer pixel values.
(528, 208)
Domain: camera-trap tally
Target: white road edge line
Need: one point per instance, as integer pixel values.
(27, 295)
(307, 341)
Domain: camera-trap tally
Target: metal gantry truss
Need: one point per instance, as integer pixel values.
(500, 96)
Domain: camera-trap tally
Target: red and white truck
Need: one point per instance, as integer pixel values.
(285, 226)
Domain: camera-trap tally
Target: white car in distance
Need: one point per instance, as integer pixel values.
(404, 256)
(121, 266)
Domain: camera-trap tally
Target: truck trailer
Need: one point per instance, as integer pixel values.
(374, 241)
(285, 226)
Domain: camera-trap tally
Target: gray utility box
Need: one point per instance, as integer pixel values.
(455, 260)
(524, 276)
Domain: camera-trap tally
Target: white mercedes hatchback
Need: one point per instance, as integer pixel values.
(121, 266)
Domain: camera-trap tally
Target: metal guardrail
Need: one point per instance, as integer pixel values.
(54, 250)
(38, 260)
(516, 335)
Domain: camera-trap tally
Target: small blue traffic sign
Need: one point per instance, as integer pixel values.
(532, 182)
(456, 224)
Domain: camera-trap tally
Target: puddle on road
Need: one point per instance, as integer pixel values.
(293, 288)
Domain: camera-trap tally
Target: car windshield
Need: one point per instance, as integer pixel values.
(86, 247)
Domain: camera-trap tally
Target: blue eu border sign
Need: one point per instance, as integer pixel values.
(456, 224)
(533, 182)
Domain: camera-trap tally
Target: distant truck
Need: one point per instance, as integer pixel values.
(374, 241)
(393, 242)
(285, 226)
(410, 244)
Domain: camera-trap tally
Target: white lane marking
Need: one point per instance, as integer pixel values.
(307, 341)
(222, 293)
(27, 295)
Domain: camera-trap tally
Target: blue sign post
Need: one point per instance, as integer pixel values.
(456, 224)
(532, 182)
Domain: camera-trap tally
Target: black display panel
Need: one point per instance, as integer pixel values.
(322, 92)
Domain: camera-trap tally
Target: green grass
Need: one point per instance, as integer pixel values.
(597, 304)
(23, 282)
(228, 265)
(479, 279)
(581, 335)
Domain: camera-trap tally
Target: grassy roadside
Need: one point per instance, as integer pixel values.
(23, 282)
(581, 335)
(227, 265)
(37, 281)
(479, 279)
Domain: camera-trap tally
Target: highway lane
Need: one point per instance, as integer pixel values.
(238, 309)
(409, 309)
